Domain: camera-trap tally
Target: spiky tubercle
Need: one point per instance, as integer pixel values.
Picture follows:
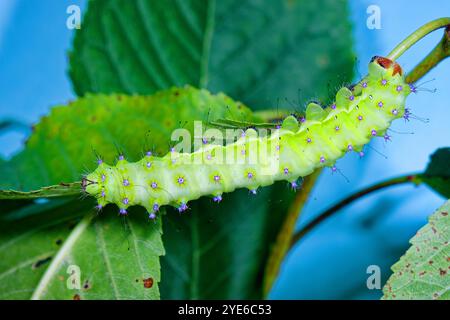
(292, 151)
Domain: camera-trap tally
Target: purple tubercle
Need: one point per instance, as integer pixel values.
(407, 114)
(152, 216)
(204, 140)
(294, 185)
(172, 149)
(361, 154)
(217, 198)
(383, 82)
(155, 207)
(126, 182)
(351, 98)
(103, 193)
(180, 180)
(333, 169)
(125, 201)
(154, 185)
(209, 157)
(243, 152)
(337, 128)
(103, 178)
(253, 191)
(123, 212)
(364, 84)
(99, 207)
(373, 132)
(308, 140)
(387, 137)
(148, 165)
(394, 112)
(217, 178)
(322, 159)
(99, 161)
(380, 104)
(360, 118)
(183, 207)
(333, 106)
(302, 119)
(148, 153)
(121, 157)
(399, 88)
(412, 88)
(350, 147)
(286, 171)
(250, 175)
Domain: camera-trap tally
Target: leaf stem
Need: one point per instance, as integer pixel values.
(271, 115)
(59, 190)
(417, 35)
(412, 178)
(439, 53)
(282, 243)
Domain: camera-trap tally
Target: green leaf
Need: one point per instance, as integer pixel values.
(437, 174)
(423, 272)
(114, 259)
(219, 251)
(114, 256)
(117, 259)
(28, 242)
(255, 51)
(64, 145)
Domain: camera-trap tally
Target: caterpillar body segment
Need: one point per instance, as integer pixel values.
(293, 150)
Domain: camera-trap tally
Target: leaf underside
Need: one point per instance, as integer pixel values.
(423, 272)
(117, 258)
(60, 190)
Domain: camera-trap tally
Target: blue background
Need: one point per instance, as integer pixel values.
(331, 261)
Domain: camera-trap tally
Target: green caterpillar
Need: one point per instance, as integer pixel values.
(293, 150)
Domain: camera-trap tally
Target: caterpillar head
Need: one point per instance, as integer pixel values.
(90, 184)
(388, 86)
(384, 68)
(94, 183)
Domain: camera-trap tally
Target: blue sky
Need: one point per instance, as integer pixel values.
(34, 42)
(331, 262)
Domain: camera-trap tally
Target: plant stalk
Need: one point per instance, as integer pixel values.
(439, 53)
(282, 243)
(414, 178)
(418, 35)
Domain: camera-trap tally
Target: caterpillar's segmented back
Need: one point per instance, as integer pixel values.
(292, 151)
